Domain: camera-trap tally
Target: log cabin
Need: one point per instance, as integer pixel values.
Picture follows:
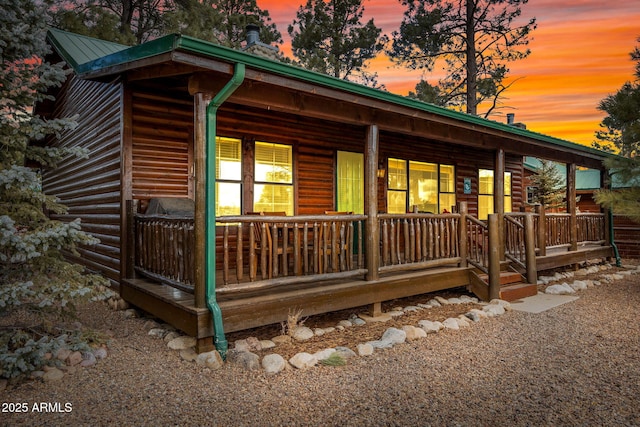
(228, 188)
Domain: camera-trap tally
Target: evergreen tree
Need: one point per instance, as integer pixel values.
(549, 183)
(221, 21)
(122, 21)
(474, 38)
(33, 272)
(329, 37)
(622, 125)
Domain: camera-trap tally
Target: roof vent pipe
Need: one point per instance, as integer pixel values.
(253, 34)
(510, 118)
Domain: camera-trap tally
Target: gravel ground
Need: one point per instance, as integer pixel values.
(576, 364)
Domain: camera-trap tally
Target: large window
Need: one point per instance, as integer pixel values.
(228, 176)
(428, 186)
(273, 182)
(485, 193)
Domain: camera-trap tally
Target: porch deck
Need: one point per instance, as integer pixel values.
(246, 308)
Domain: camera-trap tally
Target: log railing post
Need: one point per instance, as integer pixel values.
(494, 256)
(462, 234)
(372, 227)
(530, 249)
(571, 206)
(542, 230)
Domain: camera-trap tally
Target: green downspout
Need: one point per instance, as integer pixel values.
(611, 231)
(219, 339)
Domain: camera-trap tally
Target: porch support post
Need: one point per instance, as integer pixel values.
(530, 249)
(372, 228)
(542, 230)
(462, 236)
(571, 206)
(494, 256)
(498, 198)
(201, 101)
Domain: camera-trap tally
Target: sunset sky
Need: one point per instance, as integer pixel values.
(580, 54)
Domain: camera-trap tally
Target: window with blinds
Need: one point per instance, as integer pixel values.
(273, 182)
(228, 176)
(485, 193)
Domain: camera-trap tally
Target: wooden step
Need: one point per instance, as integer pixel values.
(516, 291)
(506, 277)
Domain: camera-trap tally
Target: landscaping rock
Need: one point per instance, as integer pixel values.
(157, 332)
(74, 359)
(413, 333)
(365, 349)
(451, 323)
(248, 360)
(345, 352)
(63, 354)
(301, 333)
(181, 343)
(430, 327)
(100, 353)
(281, 339)
(442, 301)
(358, 322)
(324, 354)
(189, 354)
(267, 344)
(345, 323)
(563, 289)
(88, 359)
(211, 360)
(303, 361)
(273, 364)
(473, 316)
(170, 336)
(493, 310)
(53, 375)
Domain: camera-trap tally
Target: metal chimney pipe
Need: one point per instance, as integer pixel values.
(253, 34)
(510, 118)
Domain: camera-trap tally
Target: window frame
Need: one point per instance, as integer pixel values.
(407, 183)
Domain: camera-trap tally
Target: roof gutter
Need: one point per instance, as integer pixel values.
(219, 338)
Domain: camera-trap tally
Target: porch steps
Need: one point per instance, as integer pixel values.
(511, 286)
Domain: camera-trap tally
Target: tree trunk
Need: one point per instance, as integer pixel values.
(471, 59)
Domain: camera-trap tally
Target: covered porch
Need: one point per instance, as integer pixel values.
(322, 263)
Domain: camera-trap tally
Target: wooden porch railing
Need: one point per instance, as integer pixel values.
(590, 229)
(164, 249)
(477, 243)
(272, 250)
(301, 248)
(413, 241)
(514, 236)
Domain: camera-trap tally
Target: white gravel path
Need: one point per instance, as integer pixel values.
(576, 364)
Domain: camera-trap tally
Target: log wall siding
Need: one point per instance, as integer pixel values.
(91, 187)
(162, 146)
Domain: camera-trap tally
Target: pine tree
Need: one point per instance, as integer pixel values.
(33, 271)
(622, 125)
(474, 40)
(549, 183)
(329, 37)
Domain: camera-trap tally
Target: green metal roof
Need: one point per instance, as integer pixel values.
(76, 49)
(94, 60)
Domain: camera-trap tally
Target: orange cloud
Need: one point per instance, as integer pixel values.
(580, 54)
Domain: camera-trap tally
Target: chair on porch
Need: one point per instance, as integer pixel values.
(339, 257)
(267, 245)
